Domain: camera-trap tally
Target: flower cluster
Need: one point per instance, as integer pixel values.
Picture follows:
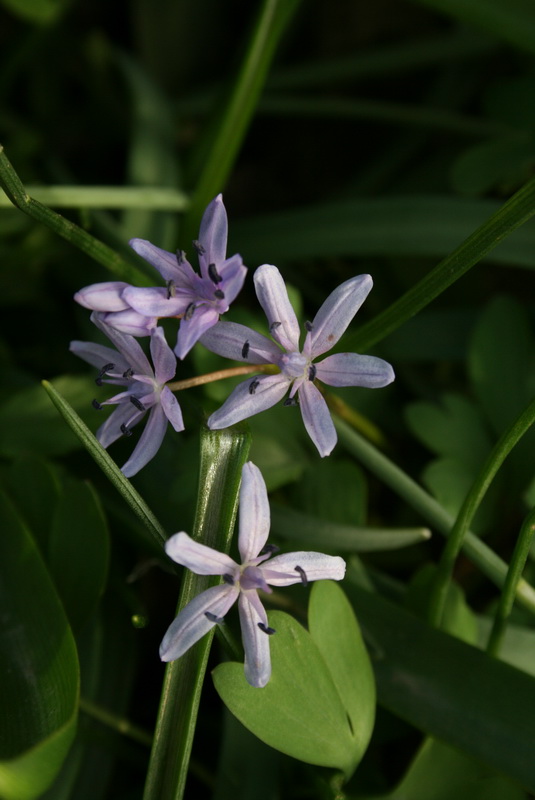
(198, 300)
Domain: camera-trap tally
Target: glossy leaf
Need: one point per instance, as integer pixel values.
(38, 664)
(35, 487)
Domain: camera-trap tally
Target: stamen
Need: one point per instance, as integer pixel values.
(228, 579)
(308, 325)
(269, 548)
(245, 349)
(220, 294)
(303, 575)
(274, 326)
(171, 289)
(129, 372)
(253, 385)
(213, 617)
(125, 431)
(291, 401)
(266, 629)
(96, 405)
(137, 403)
(106, 368)
(188, 313)
(312, 372)
(180, 256)
(199, 249)
(213, 274)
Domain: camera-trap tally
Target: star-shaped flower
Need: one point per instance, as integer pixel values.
(298, 370)
(146, 389)
(242, 581)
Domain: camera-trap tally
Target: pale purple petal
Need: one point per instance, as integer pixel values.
(149, 442)
(337, 312)
(254, 513)
(281, 570)
(192, 329)
(98, 355)
(273, 297)
(130, 322)
(233, 280)
(163, 357)
(192, 623)
(157, 301)
(125, 344)
(243, 402)
(213, 234)
(170, 267)
(104, 296)
(350, 369)
(198, 557)
(255, 642)
(232, 340)
(110, 430)
(171, 409)
(317, 418)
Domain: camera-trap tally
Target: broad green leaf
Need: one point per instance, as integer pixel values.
(334, 629)
(334, 490)
(517, 647)
(38, 664)
(322, 534)
(506, 161)
(449, 689)
(305, 719)
(79, 551)
(35, 488)
(458, 618)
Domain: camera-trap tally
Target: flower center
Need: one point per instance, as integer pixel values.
(252, 578)
(293, 365)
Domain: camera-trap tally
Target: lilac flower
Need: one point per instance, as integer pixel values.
(242, 582)
(128, 366)
(106, 298)
(298, 372)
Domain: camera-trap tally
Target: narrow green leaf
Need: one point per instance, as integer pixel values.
(449, 689)
(151, 197)
(107, 465)
(223, 454)
(38, 664)
(320, 533)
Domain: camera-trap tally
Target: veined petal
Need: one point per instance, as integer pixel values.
(213, 234)
(169, 265)
(233, 280)
(157, 301)
(163, 357)
(243, 402)
(192, 623)
(232, 340)
(257, 664)
(125, 344)
(130, 322)
(192, 329)
(149, 442)
(198, 557)
(317, 418)
(281, 570)
(254, 513)
(171, 409)
(98, 355)
(110, 430)
(351, 369)
(105, 296)
(273, 297)
(337, 312)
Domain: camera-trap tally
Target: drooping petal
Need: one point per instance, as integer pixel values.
(192, 329)
(235, 341)
(350, 369)
(248, 398)
(149, 442)
(163, 357)
(105, 296)
(158, 301)
(110, 430)
(317, 418)
(171, 409)
(337, 312)
(198, 557)
(98, 355)
(213, 234)
(254, 513)
(130, 322)
(257, 664)
(129, 348)
(282, 570)
(192, 623)
(273, 297)
(172, 267)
